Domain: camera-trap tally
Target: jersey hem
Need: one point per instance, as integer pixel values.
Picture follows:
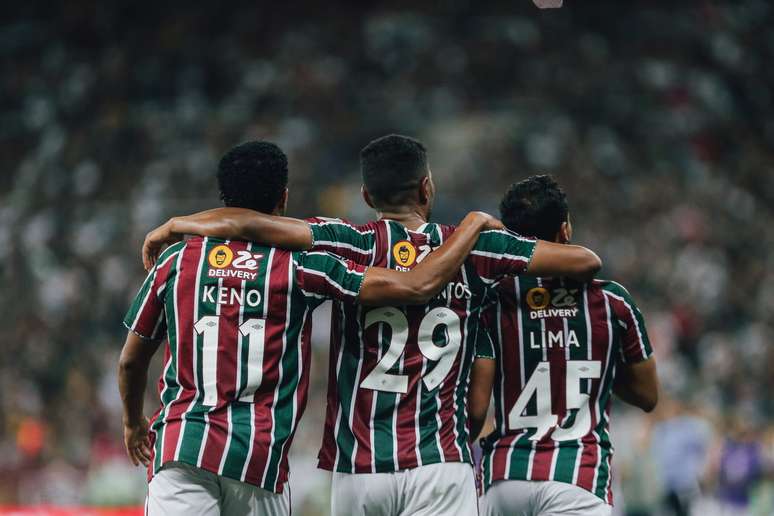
(489, 484)
(279, 490)
(358, 471)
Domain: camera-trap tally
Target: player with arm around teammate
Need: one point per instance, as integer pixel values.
(237, 316)
(559, 350)
(396, 435)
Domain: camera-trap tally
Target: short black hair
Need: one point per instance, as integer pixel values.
(392, 167)
(253, 175)
(535, 207)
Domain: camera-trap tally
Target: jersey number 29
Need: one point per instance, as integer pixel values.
(379, 379)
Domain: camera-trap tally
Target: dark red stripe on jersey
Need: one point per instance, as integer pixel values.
(448, 408)
(327, 454)
(364, 398)
(600, 337)
(147, 319)
(228, 344)
(277, 276)
(501, 454)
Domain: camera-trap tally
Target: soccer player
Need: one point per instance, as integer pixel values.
(238, 319)
(560, 349)
(396, 434)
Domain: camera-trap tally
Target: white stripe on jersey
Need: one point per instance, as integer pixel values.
(342, 245)
(183, 417)
(327, 221)
(330, 280)
(267, 279)
(339, 412)
(163, 416)
(281, 375)
(636, 322)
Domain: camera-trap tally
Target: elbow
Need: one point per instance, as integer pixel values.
(593, 264)
(421, 292)
(588, 266)
(127, 365)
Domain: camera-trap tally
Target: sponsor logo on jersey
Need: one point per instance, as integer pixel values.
(559, 302)
(404, 253)
(224, 265)
(538, 298)
(220, 257)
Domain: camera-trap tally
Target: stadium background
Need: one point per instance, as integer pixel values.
(656, 119)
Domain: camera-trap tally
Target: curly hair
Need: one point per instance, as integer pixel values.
(253, 175)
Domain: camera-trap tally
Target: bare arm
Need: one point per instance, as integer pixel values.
(571, 261)
(481, 380)
(232, 224)
(637, 384)
(417, 286)
(132, 378)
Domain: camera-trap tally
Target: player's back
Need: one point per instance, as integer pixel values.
(236, 365)
(557, 344)
(398, 375)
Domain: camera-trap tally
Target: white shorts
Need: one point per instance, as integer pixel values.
(184, 490)
(528, 498)
(447, 489)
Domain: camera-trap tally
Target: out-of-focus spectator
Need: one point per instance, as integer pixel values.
(657, 122)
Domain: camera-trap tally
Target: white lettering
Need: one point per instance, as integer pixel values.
(255, 299)
(207, 294)
(550, 338)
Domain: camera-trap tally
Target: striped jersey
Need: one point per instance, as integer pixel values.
(237, 316)
(557, 344)
(398, 376)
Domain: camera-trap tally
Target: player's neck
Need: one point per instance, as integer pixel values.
(411, 218)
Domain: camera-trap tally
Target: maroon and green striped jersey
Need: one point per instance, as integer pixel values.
(398, 376)
(236, 369)
(557, 344)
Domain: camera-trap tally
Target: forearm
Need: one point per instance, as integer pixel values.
(133, 375)
(476, 426)
(481, 381)
(442, 265)
(132, 379)
(244, 224)
(637, 384)
(571, 261)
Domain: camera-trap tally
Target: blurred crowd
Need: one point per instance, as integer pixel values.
(658, 121)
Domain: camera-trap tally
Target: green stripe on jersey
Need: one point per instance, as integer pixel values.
(567, 454)
(522, 454)
(284, 408)
(195, 423)
(170, 379)
(349, 371)
(241, 413)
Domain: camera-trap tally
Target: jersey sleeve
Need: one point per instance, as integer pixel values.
(323, 275)
(350, 241)
(501, 253)
(146, 317)
(635, 344)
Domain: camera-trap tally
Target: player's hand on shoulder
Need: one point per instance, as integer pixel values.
(155, 241)
(137, 442)
(484, 220)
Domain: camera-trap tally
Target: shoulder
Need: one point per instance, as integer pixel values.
(366, 228)
(497, 240)
(611, 287)
(171, 252)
